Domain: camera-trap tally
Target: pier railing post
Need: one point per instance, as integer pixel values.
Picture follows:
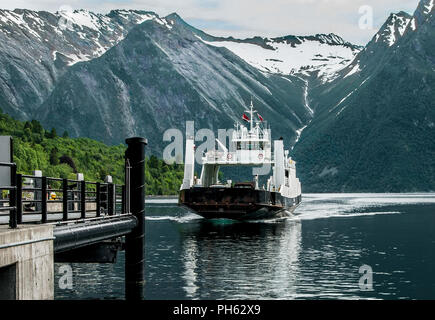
(135, 244)
(111, 199)
(13, 223)
(127, 186)
(37, 184)
(65, 200)
(19, 198)
(98, 199)
(44, 200)
(123, 203)
(83, 199)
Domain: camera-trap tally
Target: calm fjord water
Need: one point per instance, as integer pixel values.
(316, 255)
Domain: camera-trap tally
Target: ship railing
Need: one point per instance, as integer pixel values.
(255, 156)
(215, 155)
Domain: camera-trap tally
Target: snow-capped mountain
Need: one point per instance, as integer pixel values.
(321, 54)
(379, 47)
(394, 28)
(374, 125)
(355, 75)
(162, 75)
(36, 48)
(78, 35)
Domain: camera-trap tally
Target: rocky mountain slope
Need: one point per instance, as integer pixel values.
(321, 55)
(374, 125)
(39, 52)
(36, 49)
(162, 75)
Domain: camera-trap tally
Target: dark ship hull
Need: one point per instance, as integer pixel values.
(237, 203)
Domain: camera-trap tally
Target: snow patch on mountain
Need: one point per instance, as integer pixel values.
(98, 32)
(413, 26)
(354, 70)
(308, 56)
(299, 133)
(84, 18)
(306, 101)
(12, 17)
(341, 101)
(428, 8)
(395, 28)
(164, 22)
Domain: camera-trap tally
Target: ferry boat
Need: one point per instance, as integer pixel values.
(249, 146)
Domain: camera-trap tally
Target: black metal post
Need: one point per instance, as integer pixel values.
(83, 199)
(98, 199)
(134, 241)
(110, 199)
(19, 198)
(44, 200)
(123, 204)
(13, 199)
(65, 199)
(103, 197)
(127, 186)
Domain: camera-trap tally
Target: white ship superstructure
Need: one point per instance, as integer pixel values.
(249, 146)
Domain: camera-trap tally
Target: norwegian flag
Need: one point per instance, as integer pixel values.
(245, 117)
(260, 117)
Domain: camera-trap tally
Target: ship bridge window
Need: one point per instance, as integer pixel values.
(261, 145)
(239, 146)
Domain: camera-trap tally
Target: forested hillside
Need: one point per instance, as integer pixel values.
(60, 156)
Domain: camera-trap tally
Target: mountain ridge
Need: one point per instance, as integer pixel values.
(36, 49)
(180, 78)
(373, 131)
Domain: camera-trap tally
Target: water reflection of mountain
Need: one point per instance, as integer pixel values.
(240, 260)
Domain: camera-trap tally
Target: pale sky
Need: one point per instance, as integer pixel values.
(247, 18)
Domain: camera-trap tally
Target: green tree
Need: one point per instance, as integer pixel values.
(37, 127)
(52, 134)
(54, 157)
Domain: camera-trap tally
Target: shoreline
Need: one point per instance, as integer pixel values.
(162, 197)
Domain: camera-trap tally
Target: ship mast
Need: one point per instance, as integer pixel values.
(251, 113)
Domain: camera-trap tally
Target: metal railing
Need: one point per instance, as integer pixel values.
(12, 196)
(47, 199)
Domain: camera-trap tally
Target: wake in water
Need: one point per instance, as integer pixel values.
(314, 206)
(181, 218)
(161, 201)
(320, 206)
